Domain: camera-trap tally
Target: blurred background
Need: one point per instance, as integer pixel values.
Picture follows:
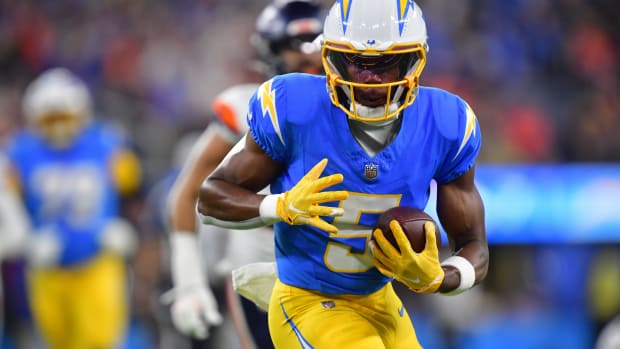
(542, 76)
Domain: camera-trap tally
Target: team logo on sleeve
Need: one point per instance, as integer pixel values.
(371, 171)
(267, 98)
(470, 129)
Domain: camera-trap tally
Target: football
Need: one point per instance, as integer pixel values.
(412, 221)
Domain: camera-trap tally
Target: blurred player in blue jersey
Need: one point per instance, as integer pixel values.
(283, 42)
(72, 171)
(339, 150)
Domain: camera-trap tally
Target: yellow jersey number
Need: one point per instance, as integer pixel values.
(341, 256)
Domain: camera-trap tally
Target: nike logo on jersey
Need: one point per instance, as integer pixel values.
(401, 310)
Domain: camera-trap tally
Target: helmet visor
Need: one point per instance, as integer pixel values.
(347, 64)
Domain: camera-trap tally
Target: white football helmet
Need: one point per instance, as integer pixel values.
(372, 37)
(57, 104)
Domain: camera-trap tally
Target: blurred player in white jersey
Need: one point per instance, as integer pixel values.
(14, 226)
(283, 42)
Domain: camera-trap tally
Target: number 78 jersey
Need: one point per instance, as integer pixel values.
(293, 120)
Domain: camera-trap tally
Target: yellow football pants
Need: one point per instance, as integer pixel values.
(304, 319)
(82, 307)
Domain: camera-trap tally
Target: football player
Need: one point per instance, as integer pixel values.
(14, 227)
(337, 151)
(72, 171)
(283, 42)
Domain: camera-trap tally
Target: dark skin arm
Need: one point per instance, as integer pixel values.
(213, 148)
(229, 193)
(461, 212)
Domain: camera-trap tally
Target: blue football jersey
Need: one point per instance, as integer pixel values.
(71, 190)
(293, 120)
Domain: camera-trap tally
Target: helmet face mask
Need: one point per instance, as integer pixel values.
(372, 75)
(59, 129)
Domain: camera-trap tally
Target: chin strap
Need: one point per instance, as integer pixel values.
(373, 112)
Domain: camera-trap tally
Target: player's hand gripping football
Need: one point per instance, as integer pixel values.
(302, 204)
(421, 272)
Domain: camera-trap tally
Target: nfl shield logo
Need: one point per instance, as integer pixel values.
(371, 171)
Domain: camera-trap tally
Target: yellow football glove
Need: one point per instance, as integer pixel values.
(301, 204)
(421, 272)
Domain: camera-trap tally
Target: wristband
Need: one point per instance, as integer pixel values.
(466, 271)
(268, 209)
